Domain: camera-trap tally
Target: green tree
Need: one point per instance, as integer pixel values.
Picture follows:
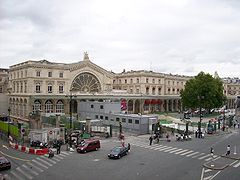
(203, 91)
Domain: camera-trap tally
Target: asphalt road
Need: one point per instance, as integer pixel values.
(165, 161)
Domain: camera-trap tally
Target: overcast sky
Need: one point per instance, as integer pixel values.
(169, 36)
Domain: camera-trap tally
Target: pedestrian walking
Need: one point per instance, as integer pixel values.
(129, 146)
(150, 140)
(228, 150)
(58, 148)
(196, 134)
(238, 125)
(211, 152)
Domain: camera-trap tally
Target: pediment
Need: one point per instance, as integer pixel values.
(89, 64)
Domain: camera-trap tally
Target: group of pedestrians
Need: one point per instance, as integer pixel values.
(227, 152)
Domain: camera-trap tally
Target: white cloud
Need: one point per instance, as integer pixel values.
(171, 36)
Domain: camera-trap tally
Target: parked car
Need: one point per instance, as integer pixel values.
(88, 145)
(118, 152)
(4, 163)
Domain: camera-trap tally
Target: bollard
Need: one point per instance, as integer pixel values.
(235, 150)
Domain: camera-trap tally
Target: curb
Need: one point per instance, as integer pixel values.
(28, 150)
(213, 167)
(229, 157)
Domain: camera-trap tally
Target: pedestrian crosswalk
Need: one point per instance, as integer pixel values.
(174, 150)
(33, 168)
(189, 153)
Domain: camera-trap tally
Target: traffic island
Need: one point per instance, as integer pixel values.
(233, 156)
(215, 165)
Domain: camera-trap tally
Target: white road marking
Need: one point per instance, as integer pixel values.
(24, 173)
(30, 169)
(40, 164)
(65, 153)
(181, 151)
(208, 170)
(16, 175)
(186, 153)
(164, 148)
(236, 165)
(192, 154)
(176, 150)
(62, 155)
(207, 178)
(58, 157)
(48, 159)
(198, 155)
(49, 164)
(35, 167)
(169, 149)
(204, 156)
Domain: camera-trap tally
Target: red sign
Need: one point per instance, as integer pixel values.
(50, 132)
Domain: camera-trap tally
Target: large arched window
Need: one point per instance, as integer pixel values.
(59, 107)
(49, 107)
(36, 106)
(86, 82)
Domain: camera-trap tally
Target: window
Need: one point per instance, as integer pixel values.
(130, 121)
(25, 73)
(153, 81)
(114, 81)
(92, 106)
(147, 90)
(60, 88)
(96, 116)
(25, 87)
(131, 80)
(106, 117)
(136, 121)
(138, 91)
(117, 119)
(159, 90)
(125, 81)
(101, 106)
(49, 107)
(17, 87)
(131, 91)
(123, 120)
(49, 88)
(1, 89)
(137, 80)
(21, 87)
(61, 74)
(21, 74)
(111, 120)
(38, 88)
(60, 107)
(101, 117)
(153, 90)
(146, 80)
(38, 73)
(119, 81)
(36, 105)
(49, 74)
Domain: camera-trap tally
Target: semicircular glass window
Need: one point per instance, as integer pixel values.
(86, 82)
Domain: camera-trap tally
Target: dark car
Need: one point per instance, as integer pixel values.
(118, 152)
(4, 163)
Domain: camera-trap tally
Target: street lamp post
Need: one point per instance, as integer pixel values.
(200, 98)
(9, 111)
(70, 113)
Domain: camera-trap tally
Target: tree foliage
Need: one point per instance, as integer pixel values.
(203, 91)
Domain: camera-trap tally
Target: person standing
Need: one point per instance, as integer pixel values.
(228, 150)
(150, 140)
(58, 148)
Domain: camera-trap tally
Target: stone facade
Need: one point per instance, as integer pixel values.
(3, 92)
(46, 87)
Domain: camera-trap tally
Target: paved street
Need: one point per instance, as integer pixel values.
(166, 160)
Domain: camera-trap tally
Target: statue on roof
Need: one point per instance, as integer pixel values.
(85, 58)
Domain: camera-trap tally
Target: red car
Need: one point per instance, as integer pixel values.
(4, 163)
(88, 145)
